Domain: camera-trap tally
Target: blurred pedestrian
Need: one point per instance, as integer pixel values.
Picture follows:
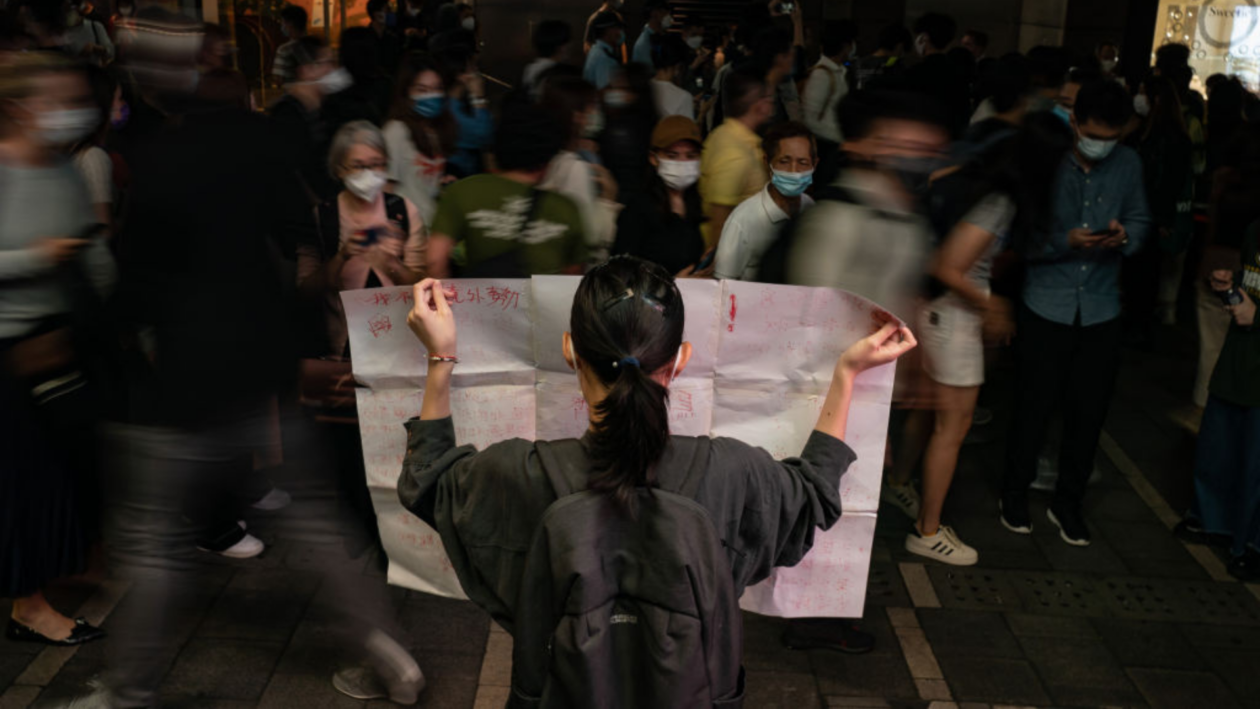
(733, 167)
(420, 134)
(49, 252)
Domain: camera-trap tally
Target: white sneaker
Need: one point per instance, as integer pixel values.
(247, 548)
(944, 546)
(903, 497)
(277, 499)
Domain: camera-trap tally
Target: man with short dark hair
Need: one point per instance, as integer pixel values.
(602, 61)
(733, 167)
(293, 21)
(507, 226)
(792, 155)
(1069, 325)
(551, 40)
(976, 42)
(659, 19)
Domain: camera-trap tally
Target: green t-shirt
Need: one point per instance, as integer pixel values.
(1236, 378)
(484, 215)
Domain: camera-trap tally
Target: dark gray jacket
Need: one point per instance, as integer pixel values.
(487, 505)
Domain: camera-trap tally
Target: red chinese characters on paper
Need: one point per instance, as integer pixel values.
(379, 325)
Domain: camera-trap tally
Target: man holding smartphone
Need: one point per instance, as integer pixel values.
(1069, 331)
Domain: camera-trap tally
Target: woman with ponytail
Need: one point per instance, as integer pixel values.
(626, 345)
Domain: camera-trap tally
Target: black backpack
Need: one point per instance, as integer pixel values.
(622, 610)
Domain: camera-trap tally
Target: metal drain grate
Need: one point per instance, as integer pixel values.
(1143, 599)
(1220, 603)
(973, 590)
(1059, 594)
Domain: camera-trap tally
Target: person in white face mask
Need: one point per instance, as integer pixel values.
(1108, 55)
(370, 238)
(792, 155)
(45, 217)
(299, 113)
(662, 224)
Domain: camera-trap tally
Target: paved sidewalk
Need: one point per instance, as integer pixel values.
(1136, 619)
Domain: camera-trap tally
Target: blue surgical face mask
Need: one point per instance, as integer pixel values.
(792, 184)
(429, 105)
(1094, 149)
(1063, 113)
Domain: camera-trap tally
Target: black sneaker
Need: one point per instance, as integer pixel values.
(1013, 509)
(1245, 567)
(1191, 530)
(1071, 524)
(840, 634)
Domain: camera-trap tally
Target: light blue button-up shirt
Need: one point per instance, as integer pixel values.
(601, 64)
(643, 49)
(1063, 282)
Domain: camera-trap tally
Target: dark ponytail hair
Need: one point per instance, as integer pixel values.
(626, 325)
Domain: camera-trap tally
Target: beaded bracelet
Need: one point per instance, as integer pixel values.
(444, 358)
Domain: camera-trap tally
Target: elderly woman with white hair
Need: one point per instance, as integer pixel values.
(366, 237)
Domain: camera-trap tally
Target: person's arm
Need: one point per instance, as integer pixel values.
(886, 345)
(433, 323)
(439, 255)
(1134, 223)
(963, 247)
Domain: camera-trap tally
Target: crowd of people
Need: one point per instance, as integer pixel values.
(172, 344)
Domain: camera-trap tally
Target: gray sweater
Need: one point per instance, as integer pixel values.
(487, 506)
(37, 203)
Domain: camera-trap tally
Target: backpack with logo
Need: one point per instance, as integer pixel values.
(623, 609)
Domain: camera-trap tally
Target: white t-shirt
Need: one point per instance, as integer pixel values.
(419, 176)
(97, 171)
(572, 177)
(673, 101)
(748, 233)
(530, 78)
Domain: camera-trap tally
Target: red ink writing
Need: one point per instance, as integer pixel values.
(731, 327)
(379, 299)
(380, 325)
(504, 297)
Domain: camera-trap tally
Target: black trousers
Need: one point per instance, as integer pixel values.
(1068, 364)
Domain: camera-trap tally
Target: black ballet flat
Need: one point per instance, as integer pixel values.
(83, 633)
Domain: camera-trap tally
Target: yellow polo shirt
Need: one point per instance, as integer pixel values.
(732, 169)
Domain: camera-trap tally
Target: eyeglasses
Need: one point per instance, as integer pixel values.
(357, 166)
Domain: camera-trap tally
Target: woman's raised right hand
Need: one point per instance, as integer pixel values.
(886, 345)
(431, 318)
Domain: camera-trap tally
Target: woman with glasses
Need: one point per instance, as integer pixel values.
(366, 238)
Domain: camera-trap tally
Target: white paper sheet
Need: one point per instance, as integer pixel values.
(762, 363)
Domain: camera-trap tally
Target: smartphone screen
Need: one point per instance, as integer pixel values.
(706, 261)
(369, 236)
(1104, 232)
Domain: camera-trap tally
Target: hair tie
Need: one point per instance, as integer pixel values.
(626, 362)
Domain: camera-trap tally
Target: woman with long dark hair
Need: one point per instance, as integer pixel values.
(421, 133)
(626, 345)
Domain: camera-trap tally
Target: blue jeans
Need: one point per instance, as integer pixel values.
(1227, 473)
